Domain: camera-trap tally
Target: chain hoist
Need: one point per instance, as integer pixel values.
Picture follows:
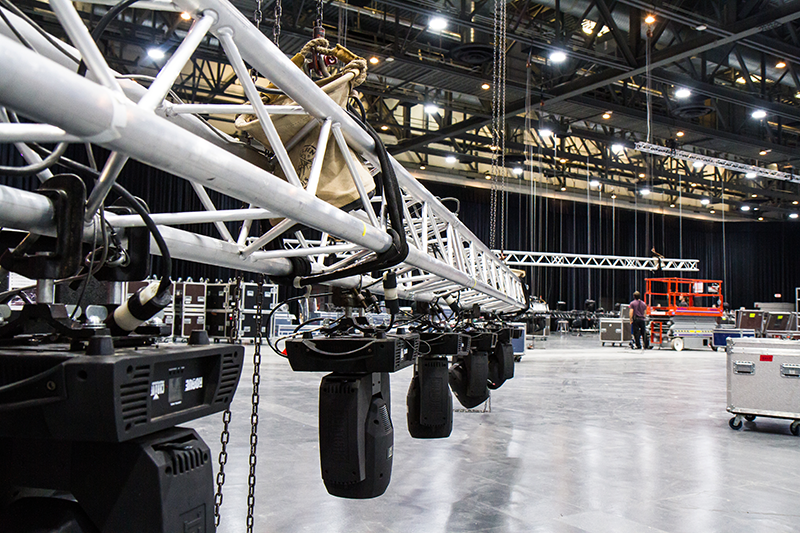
(251, 479)
(276, 29)
(225, 436)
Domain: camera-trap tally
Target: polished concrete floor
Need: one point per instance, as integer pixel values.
(583, 439)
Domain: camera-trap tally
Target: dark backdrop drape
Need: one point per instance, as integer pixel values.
(754, 259)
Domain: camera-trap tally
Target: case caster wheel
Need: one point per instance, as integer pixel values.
(677, 344)
(749, 418)
(735, 422)
(714, 348)
(794, 427)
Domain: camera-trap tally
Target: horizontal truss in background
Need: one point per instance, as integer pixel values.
(612, 262)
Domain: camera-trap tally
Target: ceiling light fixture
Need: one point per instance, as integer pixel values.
(613, 196)
(750, 175)
(680, 134)
(155, 53)
(422, 167)
(437, 23)
(562, 160)
(780, 64)
(649, 19)
(451, 160)
(486, 86)
(683, 92)
(384, 127)
(763, 152)
(517, 171)
(186, 15)
(488, 176)
(672, 205)
(794, 203)
(697, 164)
(546, 132)
(563, 189)
(374, 60)
(760, 218)
(758, 114)
(645, 191)
(740, 80)
(793, 215)
(753, 196)
(558, 56)
(701, 27)
(745, 208)
(642, 175)
(606, 115)
(431, 109)
(594, 183)
(705, 201)
(617, 148)
(712, 211)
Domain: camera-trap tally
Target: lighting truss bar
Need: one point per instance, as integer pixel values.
(714, 162)
(440, 245)
(611, 262)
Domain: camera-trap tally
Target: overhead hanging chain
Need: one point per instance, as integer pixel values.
(503, 170)
(251, 479)
(225, 436)
(498, 125)
(258, 16)
(276, 29)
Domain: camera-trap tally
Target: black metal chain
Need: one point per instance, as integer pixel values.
(224, 438)
(258, 15)
(251, 480)
(318, 21)
(276, 29)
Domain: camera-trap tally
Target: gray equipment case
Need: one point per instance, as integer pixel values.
(764, 380)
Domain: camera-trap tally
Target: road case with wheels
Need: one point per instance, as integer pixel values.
(764, 380)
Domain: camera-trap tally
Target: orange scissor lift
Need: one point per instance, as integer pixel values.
(683, 312)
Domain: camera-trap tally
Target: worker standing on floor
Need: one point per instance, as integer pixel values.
(637, 310)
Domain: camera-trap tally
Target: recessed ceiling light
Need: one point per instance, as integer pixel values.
(545, 132)
(793, 215)
(186, 15)
(606, 115)
(155, 53)
(649, 19)
(780, 64)
(422, 167)
(680, 134)
(451, 160)
(558, 56)
(486, 86)
(563, 189)
(642, 175)
(645, 191)
(374, 60)
(683, 92)
(750, 175)
(760, 218)
(437, 23)
(705, 201)
(745, 208)
(517, 171)
(431, 109)
(384, 127)
(758, 114)
(594, 183)
(701, 27)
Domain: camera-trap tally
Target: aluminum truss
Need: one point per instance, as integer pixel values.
(444, 258)
(613, 262)
(751, 171)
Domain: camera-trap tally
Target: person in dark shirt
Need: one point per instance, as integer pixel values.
(637, 310)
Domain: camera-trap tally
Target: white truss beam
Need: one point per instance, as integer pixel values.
(613, 262)
(750, 171)
(445, 257)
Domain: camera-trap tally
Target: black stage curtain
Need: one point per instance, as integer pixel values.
(756, 261)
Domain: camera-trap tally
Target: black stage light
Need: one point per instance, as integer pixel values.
(429, 402)
(356, 437)
(469, 378)
(501, 364)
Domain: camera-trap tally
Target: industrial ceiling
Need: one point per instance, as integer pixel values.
(569, 126)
